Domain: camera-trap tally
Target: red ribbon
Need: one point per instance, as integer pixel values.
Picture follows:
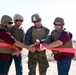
(10, 46)
(68, 50)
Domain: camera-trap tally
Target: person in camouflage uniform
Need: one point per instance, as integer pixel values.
(33, 33)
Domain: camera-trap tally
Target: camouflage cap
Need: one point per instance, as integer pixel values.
(18, 16)
(35, 17)
(59, 19)
(5, 18)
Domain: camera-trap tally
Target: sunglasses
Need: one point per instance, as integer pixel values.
(36, 21)
(58, 24)
(19, 20)
(10, 22)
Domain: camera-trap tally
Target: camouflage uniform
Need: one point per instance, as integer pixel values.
(36, 57)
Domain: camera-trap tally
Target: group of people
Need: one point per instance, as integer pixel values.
(15, 35)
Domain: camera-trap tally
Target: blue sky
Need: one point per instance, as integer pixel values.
(47, 9)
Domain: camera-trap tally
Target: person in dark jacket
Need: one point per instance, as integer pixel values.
(36, 32)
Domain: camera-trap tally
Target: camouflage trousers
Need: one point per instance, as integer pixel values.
(42, 64)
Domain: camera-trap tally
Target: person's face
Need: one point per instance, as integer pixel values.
(18, 22)
(9, 25)
(58, 26)
(37, 23)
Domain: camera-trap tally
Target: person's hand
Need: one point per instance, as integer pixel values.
(37, 43)
(41, 47)
(32, 49)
